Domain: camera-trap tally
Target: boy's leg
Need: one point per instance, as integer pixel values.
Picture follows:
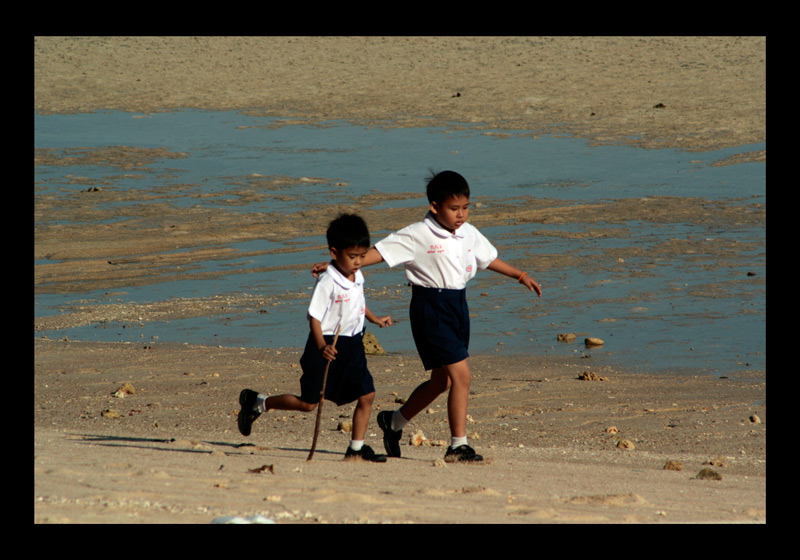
(420, 398)
(427, 392)
(455, 377)
(361, 416)
(253, 404)
(288, 402)
(457, 399)
(357, 449)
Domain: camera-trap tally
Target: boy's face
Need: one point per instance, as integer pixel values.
(452, 213)
(349, 260)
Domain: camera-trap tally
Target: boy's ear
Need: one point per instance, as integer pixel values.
(334, 252)
(435, 207)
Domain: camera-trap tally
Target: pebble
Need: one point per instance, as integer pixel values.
(673, 466)
(345, 426)
(625, 444)
(125, 389)
(591, 376)
(418, 439)
(566, 337)
(593, 341)
(263, 468)
(708, 474)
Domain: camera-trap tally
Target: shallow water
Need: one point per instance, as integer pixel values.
(682, 313)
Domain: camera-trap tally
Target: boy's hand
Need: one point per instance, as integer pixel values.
(531, 284)
(329, 352)
(319, 268)
(383, 321)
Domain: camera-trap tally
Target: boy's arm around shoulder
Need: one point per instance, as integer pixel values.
(499, 265)
(372, 257)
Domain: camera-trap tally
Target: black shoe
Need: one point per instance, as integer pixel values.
(462, 454)
(248, 412)
(365, 454)
(391, 438)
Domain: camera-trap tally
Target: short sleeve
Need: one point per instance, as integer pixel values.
(483, 250)
(398, 248)
(320, 302)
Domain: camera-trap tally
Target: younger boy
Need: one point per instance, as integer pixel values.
(440, 254)
(337, 301)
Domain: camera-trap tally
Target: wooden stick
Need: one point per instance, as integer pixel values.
(322, 398)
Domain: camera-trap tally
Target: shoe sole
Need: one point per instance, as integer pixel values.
(467, 455)
(375, 459)
(245, 425)
(463, 458)
(391, 443)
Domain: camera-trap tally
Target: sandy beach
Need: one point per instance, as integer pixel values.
(616, 446)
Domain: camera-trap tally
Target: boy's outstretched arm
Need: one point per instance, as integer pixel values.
(499, 265)
(372, 257)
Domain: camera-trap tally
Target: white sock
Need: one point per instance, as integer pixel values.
(356, 445)
(259, 406)
(456, 441)
(398, 421)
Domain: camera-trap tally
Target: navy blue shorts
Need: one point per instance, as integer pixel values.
(348, 376)
(440, 325)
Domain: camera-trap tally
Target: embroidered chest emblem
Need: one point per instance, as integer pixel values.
(341, 298)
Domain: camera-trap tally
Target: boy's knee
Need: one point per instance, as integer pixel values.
(309, 407)
(459, 374)
(440, 381)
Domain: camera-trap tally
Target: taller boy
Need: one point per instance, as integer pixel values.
(440, 254)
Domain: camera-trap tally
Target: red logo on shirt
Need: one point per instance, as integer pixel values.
(342, 298)
(436, 249)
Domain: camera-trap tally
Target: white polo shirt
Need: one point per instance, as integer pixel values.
(435, 258)
(336, 300)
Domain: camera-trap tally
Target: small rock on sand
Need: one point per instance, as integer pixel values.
(708, 474)
(372, 346)
(591, 376)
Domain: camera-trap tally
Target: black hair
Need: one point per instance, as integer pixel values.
(347, 230)
(445, 184)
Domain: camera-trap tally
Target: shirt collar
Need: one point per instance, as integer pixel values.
(341, 280)
(440, 231)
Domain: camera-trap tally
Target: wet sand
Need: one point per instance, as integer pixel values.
(687, 92)
(174, 455)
